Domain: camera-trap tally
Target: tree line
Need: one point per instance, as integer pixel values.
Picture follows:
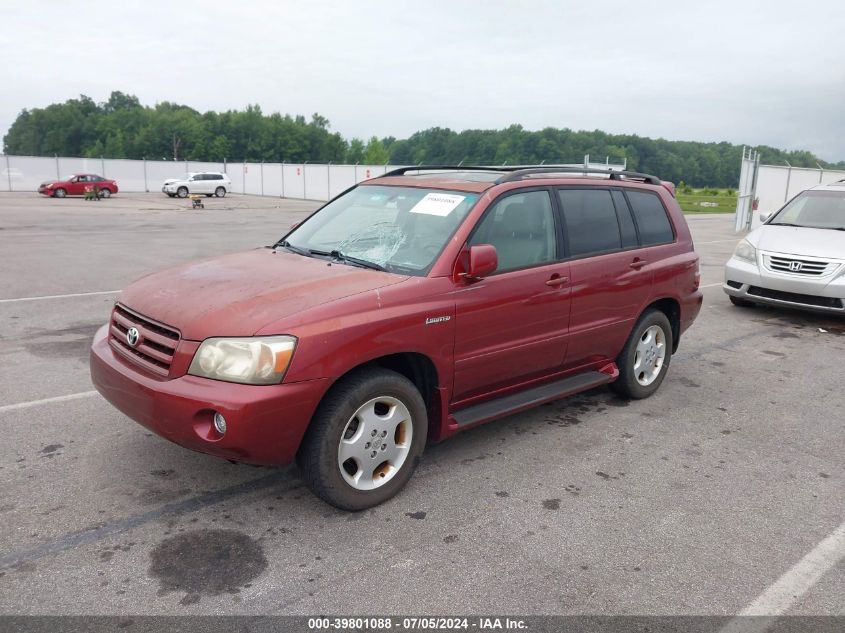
(123, 128)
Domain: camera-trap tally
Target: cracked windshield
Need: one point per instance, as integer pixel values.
(399, 229)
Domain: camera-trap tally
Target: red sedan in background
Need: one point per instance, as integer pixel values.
(76, 185)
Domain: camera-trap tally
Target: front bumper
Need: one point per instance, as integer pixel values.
(265, 424)
(752, 282)
(45, 191)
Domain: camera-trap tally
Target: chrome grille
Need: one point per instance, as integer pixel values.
(799, 266)
(156, 342)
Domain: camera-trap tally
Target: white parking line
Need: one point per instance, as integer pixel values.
(34, 403)
(789, 588)
(77, 294)
(711, 285)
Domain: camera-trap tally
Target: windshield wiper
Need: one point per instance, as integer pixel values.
(807, 226)
(363, 263)
(292, 248)
(336, 255)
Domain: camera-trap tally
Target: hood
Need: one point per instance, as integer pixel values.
(235, 295)
(793, 240)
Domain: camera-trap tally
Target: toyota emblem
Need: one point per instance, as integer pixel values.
(132, 336)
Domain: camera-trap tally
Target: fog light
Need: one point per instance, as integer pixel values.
(219, 423)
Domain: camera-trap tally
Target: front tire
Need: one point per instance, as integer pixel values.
(645, 358)
(59, 193)
(220, 192)
(365, 439)
(105, 193)
(182, 192)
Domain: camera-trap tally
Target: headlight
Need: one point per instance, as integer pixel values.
(746, 252)
(251, 361)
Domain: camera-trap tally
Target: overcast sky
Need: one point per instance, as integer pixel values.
(746, 72)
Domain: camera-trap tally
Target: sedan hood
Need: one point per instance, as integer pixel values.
(235, 295)
(794, 240)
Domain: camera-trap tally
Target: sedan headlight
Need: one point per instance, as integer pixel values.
(251, 361)
(745, 251)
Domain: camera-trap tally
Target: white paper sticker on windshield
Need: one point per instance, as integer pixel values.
(441, 204)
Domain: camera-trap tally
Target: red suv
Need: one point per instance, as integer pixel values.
(409, 308)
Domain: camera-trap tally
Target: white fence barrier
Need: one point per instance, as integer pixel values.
(772, 186)
(305, 181)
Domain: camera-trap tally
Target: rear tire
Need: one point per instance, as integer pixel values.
(378, 418)
(741, 303)
(220, 192)
(59, 193)
(182, 192)
(645, 358)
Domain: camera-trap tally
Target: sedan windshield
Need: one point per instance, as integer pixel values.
(398, 229)
(814, 209)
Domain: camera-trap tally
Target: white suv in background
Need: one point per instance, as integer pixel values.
(210, 183)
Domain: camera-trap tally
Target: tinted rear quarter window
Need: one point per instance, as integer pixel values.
(652, 221)
(590, 221)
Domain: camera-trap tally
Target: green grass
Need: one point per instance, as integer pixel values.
(691, 202)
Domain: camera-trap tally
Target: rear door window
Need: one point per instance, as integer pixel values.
(652, 220)
(590, 221)
(626, 222)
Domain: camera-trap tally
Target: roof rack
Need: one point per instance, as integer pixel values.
(519, 172)
(613, 174)
(403, 170)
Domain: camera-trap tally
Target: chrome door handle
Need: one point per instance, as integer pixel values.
(638, 263)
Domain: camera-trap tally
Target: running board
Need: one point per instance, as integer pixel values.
(514, 402)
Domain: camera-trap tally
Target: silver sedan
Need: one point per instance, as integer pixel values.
(796, 258)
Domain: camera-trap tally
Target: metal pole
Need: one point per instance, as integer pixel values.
(8, 172)
(225, 169)
(304, 197)
(146, 186)
(283, 179)
(58, 176)
(356, 173)
(788, 178)
(243, 178)
(753, 190)
(262, 177)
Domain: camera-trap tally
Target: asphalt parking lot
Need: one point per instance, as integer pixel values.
(692, 502)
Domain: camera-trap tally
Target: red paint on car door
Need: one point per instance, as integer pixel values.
(513, 325)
